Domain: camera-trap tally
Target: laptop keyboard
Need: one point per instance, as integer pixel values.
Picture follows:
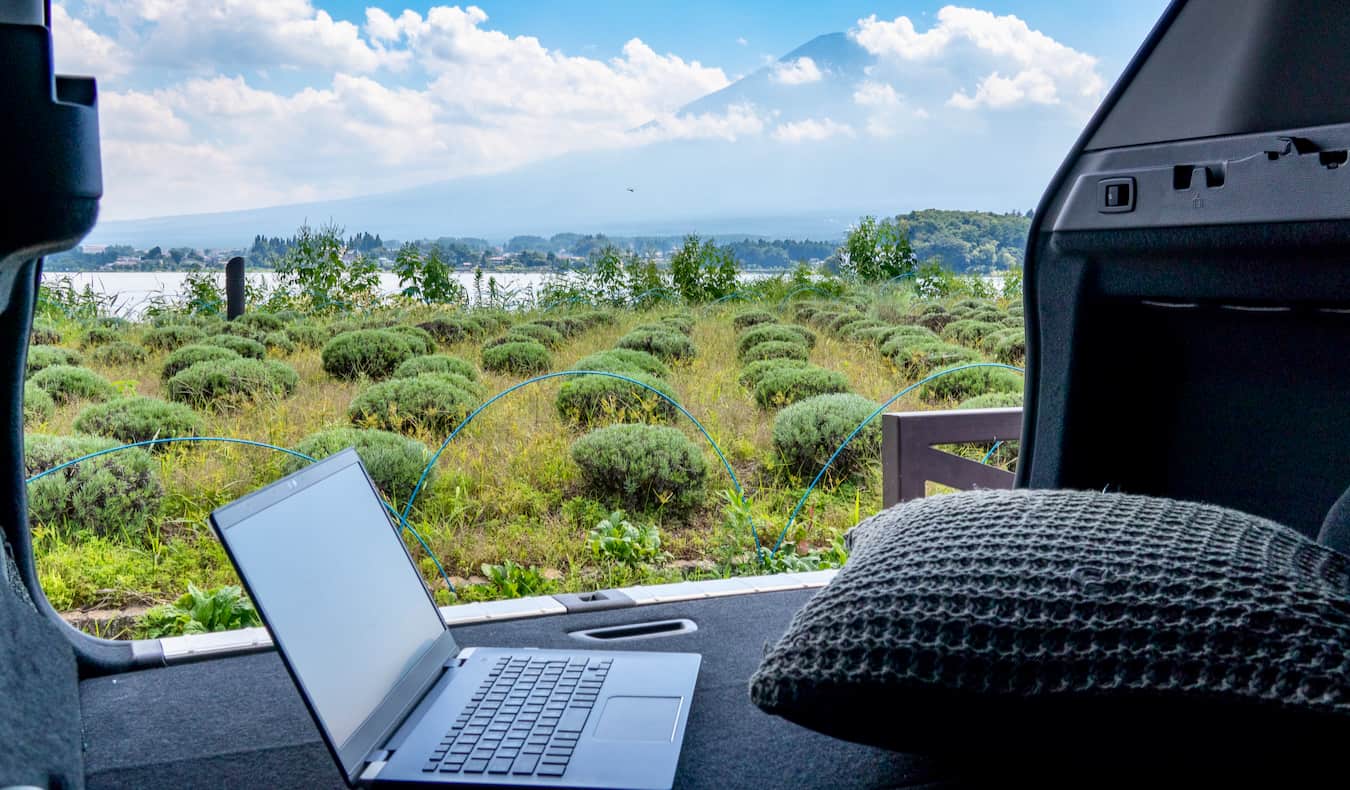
(524, 720)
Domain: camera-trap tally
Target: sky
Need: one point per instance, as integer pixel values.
(214, 105)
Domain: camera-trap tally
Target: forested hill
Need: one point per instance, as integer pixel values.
(968, 240)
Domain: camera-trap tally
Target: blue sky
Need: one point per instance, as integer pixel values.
(211, 105)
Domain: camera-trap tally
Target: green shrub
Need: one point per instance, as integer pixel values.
(990, 341)
(167, 338)
(766, 333)
(66, 383)
(225, 384)
(968, 332)
(436, 363)
(565, 326)
(38, 406)
(308, 335)
(452, 330)
(680, 323)
(776, 349)
(642, 466)
(805, 312)
(992, 400)
(44, 333)
(665, 344)
(238, 329)
(623, 360)
(807, 433)
(549, 338)
(376, 353)
(744, 321)
(112, 494)
(118, 352)
(805, 334)
(262, 322)
(933, 316)
(784, 386)
(418, 338)
(187, 356)
(1011, 349)
(587, 400)
(394, 462)
(197, 612)
(279, 341)
(243, 346)
(752, 373)
(518, 358)
(621, 542)
(921, 358)
(899, 339)
(510, 337)
(844, 319)
(138, 419)
(431, 402)
(970, 382)
(875, 335)
(40, 357)
(97, 336)
(853, 329)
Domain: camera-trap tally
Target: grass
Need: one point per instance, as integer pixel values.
(507, 489)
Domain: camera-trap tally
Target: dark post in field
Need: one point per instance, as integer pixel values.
(234, 288)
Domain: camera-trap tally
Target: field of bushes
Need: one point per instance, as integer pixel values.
(572, 483)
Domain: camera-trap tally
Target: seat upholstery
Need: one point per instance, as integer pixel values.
(39, 694)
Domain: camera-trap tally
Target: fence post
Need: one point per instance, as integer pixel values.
(234, 288)
(909, 459)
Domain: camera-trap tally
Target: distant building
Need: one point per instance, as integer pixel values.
(93, 249)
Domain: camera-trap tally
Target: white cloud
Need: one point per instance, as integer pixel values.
(80, 50)
(797, 72)
(742, 41)
(875, 94)
(1021, 66)
(740, 120)
(811, 130)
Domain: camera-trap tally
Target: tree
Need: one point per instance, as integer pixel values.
(876, 251)
(154, 254)
(323, 272)
(427, 277)
(702, 271)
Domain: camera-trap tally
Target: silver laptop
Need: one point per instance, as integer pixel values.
(396, 700)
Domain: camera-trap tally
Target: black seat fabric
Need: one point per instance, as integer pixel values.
(39, 693)
(1336, 529)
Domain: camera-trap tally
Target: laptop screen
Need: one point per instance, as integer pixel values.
(338, 590)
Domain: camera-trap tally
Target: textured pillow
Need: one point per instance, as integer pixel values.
(1071, 621)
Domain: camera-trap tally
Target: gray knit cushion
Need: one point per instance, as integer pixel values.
(1003, 620)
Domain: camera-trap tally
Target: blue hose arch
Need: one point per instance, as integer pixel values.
(571, 373)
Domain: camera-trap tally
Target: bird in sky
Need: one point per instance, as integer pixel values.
(630, 189)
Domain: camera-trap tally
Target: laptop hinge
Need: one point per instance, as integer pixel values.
(376, 764)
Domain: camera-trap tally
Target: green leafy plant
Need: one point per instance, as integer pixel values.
(805, 434)
(37, 404)
(262, 321)
(279, 341)
(232, 383)
(200, 612)
(96, 336)
(587, 400)
(749, 318)
(113, 494)
(118, 352)
(623, 360)
(137, 419)
(767, 333)
(44, 332)
(642, 466)
(243, 346)
(922, 357)
(666, 344)
(418, 338)
(67, 383)
(325, 279)
(452, 330)
(754, 372)
(776, 349)
(436, 363)
(187, 356)
(394, 462)
(521, 358)
(40, 357)
(308, 335)
(784, 385)
(549, 337)
(516, 581)
(168, 338)
(376, 353)
(617, 540)
(432, 402)
(992, 400)
(426, 276)
(679, 322)
(970, 382)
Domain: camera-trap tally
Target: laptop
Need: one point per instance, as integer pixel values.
(397, 701)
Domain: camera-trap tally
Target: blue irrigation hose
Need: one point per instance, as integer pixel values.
(864, 423)
(659, 289)
(990, 454)
(432, 463)
(720, 299)
(402, 519)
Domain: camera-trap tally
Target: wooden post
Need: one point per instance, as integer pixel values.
(234, 288)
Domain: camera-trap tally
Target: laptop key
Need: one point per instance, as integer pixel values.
(550, 769)
(573, 719)
(500, 765)
(524, 764)
(475, 766)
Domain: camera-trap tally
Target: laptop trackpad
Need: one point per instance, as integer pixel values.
(639, 719)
